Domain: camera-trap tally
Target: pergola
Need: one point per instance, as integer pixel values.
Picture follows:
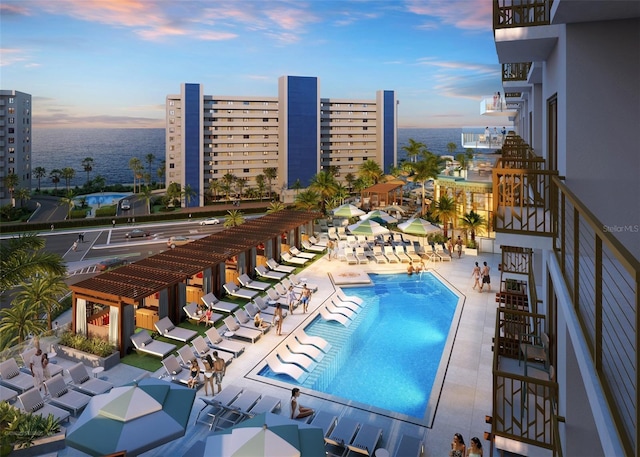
(382, 194)
(165, 276)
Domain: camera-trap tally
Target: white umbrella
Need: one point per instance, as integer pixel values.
(379, 215)
(368, 228)
(395, 208)
(418, 227)
(347, 210)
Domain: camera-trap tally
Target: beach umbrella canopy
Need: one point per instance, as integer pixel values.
(395, 208)
(368, 228)
(378, 215)
(347, 210)
(263, 435)
(418, 227)
(134, 418)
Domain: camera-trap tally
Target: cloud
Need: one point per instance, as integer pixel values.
(12, 56)
(51, 120)
(12, 9)
(463, 14)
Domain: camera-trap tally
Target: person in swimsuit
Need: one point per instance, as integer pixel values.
(475, 448)
(293, 298)
(458, 449)
(486, 279)
(219, 369)
(305, 298)
(195, 374)
(298, 411)
(475, 274)
(208, 374)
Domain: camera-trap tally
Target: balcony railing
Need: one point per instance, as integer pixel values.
(515, 71)
(603, 279)
(521, 13)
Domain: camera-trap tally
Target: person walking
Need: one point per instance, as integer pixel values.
(277, 319)
(475, 274)
(37, 370)
(292, 298)
(459, 246)
(450, 247)
(219, 370)
(486, 279)
(113, 223)
(208, 374)
(305, 298)
(74, 247)
(458, 449)
(330, 249)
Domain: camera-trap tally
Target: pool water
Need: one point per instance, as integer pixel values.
(103, 198)
(390, 356)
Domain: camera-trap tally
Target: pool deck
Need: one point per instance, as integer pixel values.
(466, 394)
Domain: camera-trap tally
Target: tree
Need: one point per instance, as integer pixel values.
(413, 149)
(189, 194)
(68, 174)
(43, 292)
(240, 185)
(214, 187)
(260, 183)
(24, 195)
(87, 166)
(55, 178)
(174, 192)
(325, 185)
(472, 223)
(425, 169)
(275, 206)
(234, 217)
(10, 182)
(69, 201)
(147, 196)
(297, 185)
(135, 164)
(350, 178)
(149, 158)
(39, 173)
(333, 170)
(99, 182)
(18, 321)
(22, 257)
(270, 174)
(451, 148)
(445, 210)
(228, 179)
(161, 170)
(307, 200)
(370, 172)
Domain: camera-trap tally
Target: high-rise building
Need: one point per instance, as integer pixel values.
(210, 138)
(15, 143)
(566, 213)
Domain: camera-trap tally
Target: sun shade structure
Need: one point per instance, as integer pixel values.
(379, 195)
(133, 418)
(379, 215)
(368, 228)
(347, 210)
(418, 227)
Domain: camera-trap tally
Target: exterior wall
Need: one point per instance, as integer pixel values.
(15, 141)
(192, 119)
(387, 100)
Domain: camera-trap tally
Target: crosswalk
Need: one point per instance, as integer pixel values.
(83, 271)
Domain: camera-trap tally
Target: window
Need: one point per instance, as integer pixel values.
(245, 170)
(265, 153)
(245, 103)
(265, 119)
(12, 159)
(12, 150)
(172, 112)
(171, 165)
(11, 100)
(11, 130)
(12, 140)
(229, 102)
(172, 102)
(172, 121)
(246, 137)
(12, 110)
(12, 120)
(245, 153)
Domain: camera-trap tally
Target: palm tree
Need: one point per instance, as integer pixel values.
(445, 210)
(425, 169)
(149, 158)
(161, 170)
(69, 201)
(451, 148)
(44, 293)
(55, 178)
(39, 173)
(413, 149)
(260, 179)
(370, 172)
(350, 178)
(307, 200)
(10, 182)
(18, 321)
(67, 174)
(234, 217)
(214, 187)
(297, 185)
(275, 206)
(240, 185)
(189, 194)
(228, 179)
(87, 166)
(22, 257)
(333, 170)
(99, 182)
(325, 185)
(147, 196)
(270, 174)
(174, 193)
(472, 223)
(135, 164)
(24, 195)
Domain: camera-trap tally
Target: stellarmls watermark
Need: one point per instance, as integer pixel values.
(621, 228)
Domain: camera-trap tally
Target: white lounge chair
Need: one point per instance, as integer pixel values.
(280, 289)
(142, 342)
(167, 329)
(378, 255)
(332, 234)
(313, 247)
(7, 394)
(298, 282)
(316, 341)
(54, 369)
(290, 369)
(32, 402)
(195, 315)
(349, 256)
(266, 404)
(265, 308)
(329, 316)
(242, 404)
(360, 255)
(366, 440)
(175, 371)
(275, 266)
(247, 321)
(343, 433)
(317, 242)
(201, 348)
(288, 258)
(294, 251)
(216, 341)
(303, 361)
(264, 272)
(241, 332)
(246, 281)
(345, 304)
(12, 377)
(352, 298)
(412, 253)
(401, 254)
(325, 421)
(220, 402)
(216, 304)
(409, 446)
(187, 355)
(307, 349)
(276, 297)
(347, 312)
(235, 291)
(61, 396)
(390, 255)
(85, 383)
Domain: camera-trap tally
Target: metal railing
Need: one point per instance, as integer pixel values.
(603, 279)
(515, 71)
(521, 13)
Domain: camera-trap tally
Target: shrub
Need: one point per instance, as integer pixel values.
(95, 346)
(471, 244)
(21, 429)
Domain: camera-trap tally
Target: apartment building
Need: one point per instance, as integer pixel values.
(297, 133)
(15, 143)
(567, 215)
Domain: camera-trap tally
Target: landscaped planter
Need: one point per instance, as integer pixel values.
(41, 446)
(471, 252)
(89, 359)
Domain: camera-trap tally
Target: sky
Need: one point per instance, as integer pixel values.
(111, 63)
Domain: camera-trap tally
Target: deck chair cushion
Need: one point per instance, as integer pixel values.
(61, 393)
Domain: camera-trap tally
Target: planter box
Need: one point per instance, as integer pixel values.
(89, 359)
(41, 446)
(471, 252)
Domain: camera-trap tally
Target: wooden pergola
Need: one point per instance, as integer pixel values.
(165, 278)
(381, 194)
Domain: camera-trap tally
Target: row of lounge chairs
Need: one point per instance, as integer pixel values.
(298, 356)
(341, 309)
(379, 254)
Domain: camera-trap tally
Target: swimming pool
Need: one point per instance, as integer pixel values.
(393, 355)
(103, 198)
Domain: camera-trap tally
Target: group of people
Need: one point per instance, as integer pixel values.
(419, 268)
(214, 370)
(459, 449)
(458, 246)
(39, 366)
(294, 300)
(481, 273)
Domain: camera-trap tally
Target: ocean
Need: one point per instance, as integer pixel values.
(111, 149)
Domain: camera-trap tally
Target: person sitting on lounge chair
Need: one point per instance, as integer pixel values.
(206, 316)
(195, 375)
(259, 322)
(298, 411)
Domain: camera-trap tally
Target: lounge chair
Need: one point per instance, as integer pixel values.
(61, 396)
(294, 251)
(290, 369)
(220, 402)
(342, 234)
(195, 316)
(303, 361)
(349, 256)
(313, 247)
(243, 403)
(409, 446)
(280, 289)
(7, 394)
(201, 348)
(343, 433)
(275, 266)
(298, 282)
(265, 308)
(216, 304)
(345, 304)
(317, 242)
(54, 369)
(143, 343)
(360, 255)
(168, 329)
(366, 440)
(390, 255)
(247, 321)
(216, 341)
(266, 404)
(317, 341)
(264, 272)
(352, 241)
(288, 258)
(276, 297)
(175, 370)
(187, 355)
(352, 298)
(241, 332)
(347, 312)
(12, 377)
(325, 421)
(412, 253)
(329, 316)
(235, 291)
(246, 281)
(332, 234)
(307, 349)
(83, 382)
(401, 254)
(378, 255)
(32, 402)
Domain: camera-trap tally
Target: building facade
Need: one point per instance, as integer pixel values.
(295, 135)
(15, 143)
(567, 215)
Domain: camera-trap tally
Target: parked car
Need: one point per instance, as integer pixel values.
(174, 241)
(107, 264)
(210, 221)
(137, 233)
(125, 205)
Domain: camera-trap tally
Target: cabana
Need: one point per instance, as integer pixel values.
(380, 195)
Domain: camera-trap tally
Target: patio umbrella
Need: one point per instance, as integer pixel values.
(368, 228)
(347, 210)
(418, 227)
(134, 418)
(264, 435)
(379, 215)
(397, 208)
